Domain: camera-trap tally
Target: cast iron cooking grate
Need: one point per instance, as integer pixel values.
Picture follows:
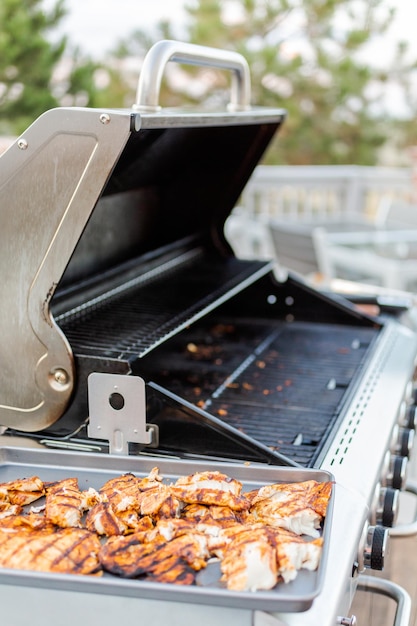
(292, 392)
(126, 326)
(292, 431)
(281, 384)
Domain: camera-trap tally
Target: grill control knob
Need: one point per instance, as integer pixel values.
(405, 442)
(408, 416)
(375, 547)
(387, 507)
(396, 473)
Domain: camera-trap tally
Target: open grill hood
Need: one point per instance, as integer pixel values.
(91, 196)
(113, 256)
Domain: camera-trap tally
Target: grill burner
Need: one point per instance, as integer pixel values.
(281, 384)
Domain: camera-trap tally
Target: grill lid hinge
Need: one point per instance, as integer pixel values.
(117, 412)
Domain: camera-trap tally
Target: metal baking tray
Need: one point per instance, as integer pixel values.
(92, 470)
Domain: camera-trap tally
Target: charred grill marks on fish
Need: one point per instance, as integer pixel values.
(144, 528)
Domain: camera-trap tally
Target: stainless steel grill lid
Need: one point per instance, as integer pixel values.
(83, 191)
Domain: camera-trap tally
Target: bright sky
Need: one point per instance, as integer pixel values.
(95, 25)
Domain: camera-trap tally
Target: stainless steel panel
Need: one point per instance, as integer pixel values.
(50, 180)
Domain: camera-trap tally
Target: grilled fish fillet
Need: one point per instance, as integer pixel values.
(65, 503)
(122, 492)
(7, 509)
(153, 478)
(125, 492)
(69, 551)
(203, 513)
(299, 507)
(229, 534)
(120, 555)
(250, 562)
(210, 488)
(172, 569)
(294, 553)
(126, 499)
(255, 557)
(158, 501)
(103, 520)
(170, 508)
(167, 529)
(312, 493)
(26, 522)
(174, 561)
(22, 492)
(165, 533)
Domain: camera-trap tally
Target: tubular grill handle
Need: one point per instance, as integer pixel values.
(391, 590)
(149, 84)
(406, 530)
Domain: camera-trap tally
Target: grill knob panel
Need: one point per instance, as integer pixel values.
(409, 420)
(375, 548)
(388, 505)
(405, 442)
(396, 473)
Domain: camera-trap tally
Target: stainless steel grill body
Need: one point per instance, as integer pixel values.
(114, 261)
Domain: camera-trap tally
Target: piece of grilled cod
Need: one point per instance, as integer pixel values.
(256, 557)
(249, 561)
(23, 491)
(67, 551)
(299, 507)
(65, 503)
(175, 561)
(211, 488)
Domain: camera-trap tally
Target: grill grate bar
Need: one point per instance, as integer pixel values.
(283, 385)
(134, 322)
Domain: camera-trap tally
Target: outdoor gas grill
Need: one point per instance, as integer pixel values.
(131, 335)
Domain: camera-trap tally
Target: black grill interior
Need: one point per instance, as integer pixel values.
(126, 325)
(237, 365)
(283, 385)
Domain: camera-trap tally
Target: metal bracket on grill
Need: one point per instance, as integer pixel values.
(117, 411)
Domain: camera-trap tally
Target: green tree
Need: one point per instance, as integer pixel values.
(122, 83)
(311, 57)
(29, 81)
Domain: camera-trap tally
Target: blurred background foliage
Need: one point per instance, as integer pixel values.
(33, 73)
(311, 57)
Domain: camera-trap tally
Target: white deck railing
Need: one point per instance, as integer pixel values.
(312, 194)
(323, 192)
